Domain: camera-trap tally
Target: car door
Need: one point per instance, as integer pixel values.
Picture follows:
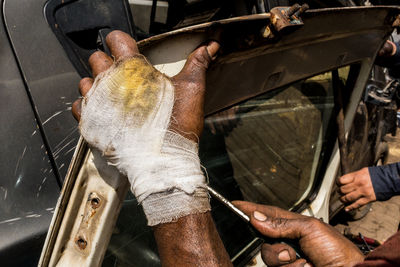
(270, 132)
(40, 72)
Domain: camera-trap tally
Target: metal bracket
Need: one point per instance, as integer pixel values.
(287, 17)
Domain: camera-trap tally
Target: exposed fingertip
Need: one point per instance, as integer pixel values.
(76, 109)
(98, 55)
(259, 216)
(84, 85)
(114, 33)
(121, 45)
(307, 265)
(99, 62)
(284, 256)
(212, 49)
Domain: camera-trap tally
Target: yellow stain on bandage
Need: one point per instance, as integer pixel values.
(138, 85)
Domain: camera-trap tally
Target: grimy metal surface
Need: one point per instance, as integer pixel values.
(335, 37)
(247, 66)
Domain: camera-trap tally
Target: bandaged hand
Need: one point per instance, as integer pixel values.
(147, 125)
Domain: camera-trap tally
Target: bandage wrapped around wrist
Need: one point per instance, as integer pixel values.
(126, 114)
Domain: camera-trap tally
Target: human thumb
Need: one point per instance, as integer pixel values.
(190, 86)
(197, 63)
(277, 227)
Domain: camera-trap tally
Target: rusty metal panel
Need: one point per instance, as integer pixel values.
(329, 38)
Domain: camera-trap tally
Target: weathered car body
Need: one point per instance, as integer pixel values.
(280, 146)
(39, 79)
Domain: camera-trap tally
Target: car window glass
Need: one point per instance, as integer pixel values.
(268, 148)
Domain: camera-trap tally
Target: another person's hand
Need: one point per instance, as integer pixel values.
(322, 244)
(388, 49)
(356, 188)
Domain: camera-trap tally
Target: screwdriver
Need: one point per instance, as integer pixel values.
(246, 218)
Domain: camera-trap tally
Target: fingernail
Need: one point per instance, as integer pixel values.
(284, 256)
(259, 216)
(307, 265)
(212, 49)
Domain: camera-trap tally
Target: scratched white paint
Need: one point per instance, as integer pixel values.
(18, 180)
(11, 220)
(69, 151)
(19, 160)
(33, 216)
(5, 192)
(51, 117)
(74, 129)
(41, 186)
(60, 149)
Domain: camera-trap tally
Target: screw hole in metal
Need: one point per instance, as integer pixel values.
(95, 202)
(82, 243)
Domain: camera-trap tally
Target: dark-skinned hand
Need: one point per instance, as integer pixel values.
(322, 244)
(192, 240)
(188, 111)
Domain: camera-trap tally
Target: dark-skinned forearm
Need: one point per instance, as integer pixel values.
(192, 240)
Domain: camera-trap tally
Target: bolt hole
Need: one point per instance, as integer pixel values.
(95, 202)
(82, 243)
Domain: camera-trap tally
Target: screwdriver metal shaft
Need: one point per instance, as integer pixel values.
(227, 203)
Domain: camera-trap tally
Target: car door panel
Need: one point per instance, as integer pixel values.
(28, 184)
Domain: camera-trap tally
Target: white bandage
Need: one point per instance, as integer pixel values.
(126, 114)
